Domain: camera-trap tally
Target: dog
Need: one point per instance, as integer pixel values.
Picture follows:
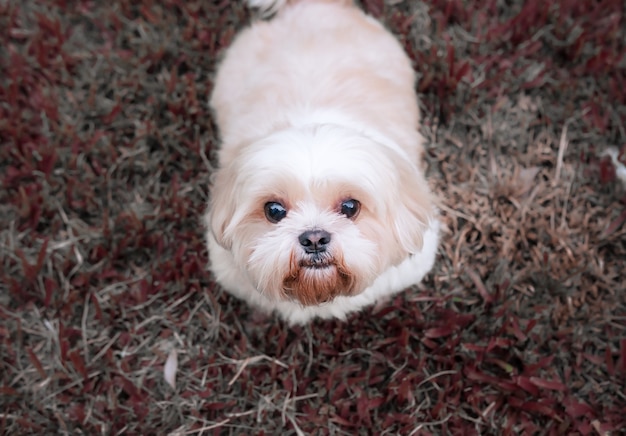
(319, 206)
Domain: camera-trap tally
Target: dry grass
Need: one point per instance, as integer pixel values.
(105, 155)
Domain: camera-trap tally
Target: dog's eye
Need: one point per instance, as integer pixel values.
(350, 208)
(274, 211)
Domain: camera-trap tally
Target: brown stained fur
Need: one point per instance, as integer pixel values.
(312, 287)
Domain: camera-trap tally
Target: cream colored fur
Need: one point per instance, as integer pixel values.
(314, 107)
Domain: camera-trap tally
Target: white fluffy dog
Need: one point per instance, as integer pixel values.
(319, 206)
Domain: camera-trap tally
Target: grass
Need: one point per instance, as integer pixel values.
(106, 148)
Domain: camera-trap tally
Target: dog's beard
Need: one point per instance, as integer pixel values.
(317, 279)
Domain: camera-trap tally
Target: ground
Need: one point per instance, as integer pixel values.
(106, 151)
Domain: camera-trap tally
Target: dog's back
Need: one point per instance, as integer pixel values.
(325, 58)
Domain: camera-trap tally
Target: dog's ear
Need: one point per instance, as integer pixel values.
(222, 205)
(413, 208)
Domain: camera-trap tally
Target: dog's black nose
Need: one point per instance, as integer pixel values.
(314, 241)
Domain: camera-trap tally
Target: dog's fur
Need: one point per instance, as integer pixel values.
(315, 107)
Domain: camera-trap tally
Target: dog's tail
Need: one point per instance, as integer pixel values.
(268, 8)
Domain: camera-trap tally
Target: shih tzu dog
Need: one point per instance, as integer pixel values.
(319, 206)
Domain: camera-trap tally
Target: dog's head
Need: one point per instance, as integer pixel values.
(318, 212)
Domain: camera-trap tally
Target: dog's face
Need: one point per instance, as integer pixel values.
(315, 213)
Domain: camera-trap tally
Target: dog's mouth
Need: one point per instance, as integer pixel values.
(317, 262)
